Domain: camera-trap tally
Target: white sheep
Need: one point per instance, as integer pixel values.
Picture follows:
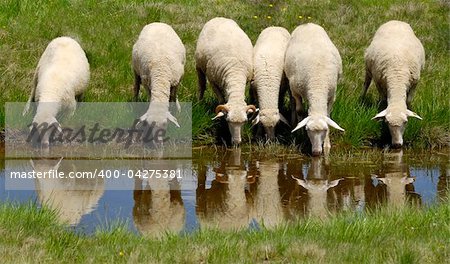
(158, 208)
(224, 55)
(395, 176)
(394, 60)
(313, 66)
(267, 206)
(158, 63)
(268, 77)
(71, 198)
(225, 206)
(317, 184)
(61, 77)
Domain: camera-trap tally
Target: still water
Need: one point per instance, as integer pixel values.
(241, 189)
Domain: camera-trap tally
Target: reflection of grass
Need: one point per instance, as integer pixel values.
(29, 234)
(108, 33)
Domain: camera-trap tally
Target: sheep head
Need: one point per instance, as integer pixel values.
(317, 129)
(43, 129)
(269, 119)
(396, 120)
(236, 116)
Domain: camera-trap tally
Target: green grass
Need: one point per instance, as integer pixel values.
(409, 235)
(108, 29)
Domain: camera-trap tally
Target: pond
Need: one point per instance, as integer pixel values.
(235, 189)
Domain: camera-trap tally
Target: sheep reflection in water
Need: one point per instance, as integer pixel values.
(225, 205)
(395, 177)
(158, 207)
(317, 184)
(71, 198)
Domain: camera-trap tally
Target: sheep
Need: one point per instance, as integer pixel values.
(224, 205)
(224, 56)
(158, 208)
(394, 60)
(268, 76)
(158, 63)
(71, 198)
(313, 67)
(61, 77)
(395, 176)
(317, 184)
(267, 207)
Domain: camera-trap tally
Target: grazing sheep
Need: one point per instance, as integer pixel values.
(224, 55)
(313, 66)
(394, 60)
(268, 66)
(158, 63)
(62, 75)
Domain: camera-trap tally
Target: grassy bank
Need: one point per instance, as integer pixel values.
(108, 29)
(28, 234)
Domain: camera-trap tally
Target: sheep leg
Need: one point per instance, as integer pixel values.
(284, 87)
(149, 90)
(201, 83)
(80, 97)
(327, 144)
(367, 82)
(173, 94)
(253, 94)
(173, 97)
(218, 93)
(298, 107)
(410, 95)
(137, 85)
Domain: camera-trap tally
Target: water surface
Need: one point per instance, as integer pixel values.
(240, 189)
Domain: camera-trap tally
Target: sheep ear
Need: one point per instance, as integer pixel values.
(255, 121)
(380, 114)
(411, 113)
(334, 124)
(172, 119)
(220, 114)
(139, 124)
(178, 106)
(31, 126)
(383, 180)
(57, 126)
(284, 120)
(301, 182)
(141, 121)
(406, 180)
(334, 183)
(59, 163)
(27, 108)
(301, 124)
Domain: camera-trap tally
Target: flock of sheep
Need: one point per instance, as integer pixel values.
(305, 63)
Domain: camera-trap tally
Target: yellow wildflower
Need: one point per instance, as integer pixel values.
(309, 17)
(269, 17)
(270, 5)
(255, 16)
(121, 253)
(300, 17)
